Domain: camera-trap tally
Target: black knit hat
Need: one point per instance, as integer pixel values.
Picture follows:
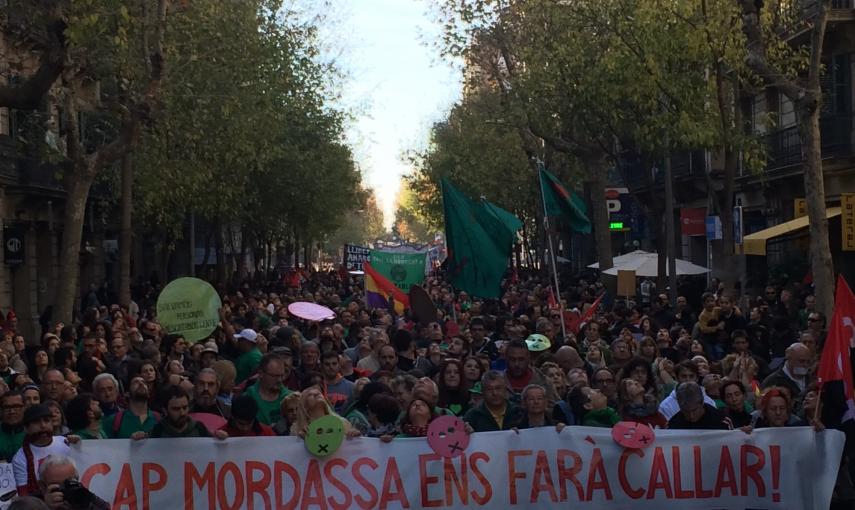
(244, 407)
(36, 412)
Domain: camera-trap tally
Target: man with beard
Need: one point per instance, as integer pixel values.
(520, 373)
(177, 422)
(138, 419)
(388, 360)
(84, 417)
(39, 442)
(11, 424)
(479, 343)
(205, 394)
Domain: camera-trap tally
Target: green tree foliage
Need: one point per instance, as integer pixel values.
(603, 82)
(410, 224)
(248, 137)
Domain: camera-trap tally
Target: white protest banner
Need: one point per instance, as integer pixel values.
(7, 485)
(582, 467)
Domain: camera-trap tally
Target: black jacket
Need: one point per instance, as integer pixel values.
(712, 419)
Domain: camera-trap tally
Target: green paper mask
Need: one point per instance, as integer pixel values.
(537, 343)
(324, 436)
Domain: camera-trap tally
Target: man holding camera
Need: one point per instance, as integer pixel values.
(58, 481)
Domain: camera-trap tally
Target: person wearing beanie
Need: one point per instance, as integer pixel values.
(39, 443)
(243, 422)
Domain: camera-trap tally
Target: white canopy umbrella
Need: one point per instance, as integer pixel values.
(647, 264)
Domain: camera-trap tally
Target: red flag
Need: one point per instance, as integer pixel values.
(550, 301)
(835, 365)
(576, 323)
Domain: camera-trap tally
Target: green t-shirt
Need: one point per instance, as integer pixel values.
(268, 410)
(246, 364)
(86, 434)
(128, 424)
(10, 443)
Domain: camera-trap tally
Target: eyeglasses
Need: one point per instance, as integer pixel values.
(274, 376)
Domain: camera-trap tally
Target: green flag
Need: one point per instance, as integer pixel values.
(560, 201)
(479, 244)
(402, 269)
(511, 221)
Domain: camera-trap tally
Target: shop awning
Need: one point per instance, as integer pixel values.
(755, 244)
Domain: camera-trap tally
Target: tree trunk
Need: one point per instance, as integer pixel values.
(221, 254)
(807, 98)
(661, 255)
(126, 243)
(206, 257)
(820, 251)
(78, 184)
(600, 219)
(192, 243)
(726, 263)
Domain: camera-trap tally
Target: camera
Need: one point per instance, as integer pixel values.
(75, 494)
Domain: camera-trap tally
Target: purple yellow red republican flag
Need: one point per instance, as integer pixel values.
(378, 290)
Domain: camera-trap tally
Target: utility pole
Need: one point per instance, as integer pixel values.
(670, 241)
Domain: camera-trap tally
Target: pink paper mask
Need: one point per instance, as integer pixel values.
(447, 436)
(633, 435)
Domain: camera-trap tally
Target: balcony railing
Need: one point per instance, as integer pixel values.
(683, 165)
(795, 17)
(784, 147)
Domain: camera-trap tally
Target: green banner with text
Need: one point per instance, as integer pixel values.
(402, 269)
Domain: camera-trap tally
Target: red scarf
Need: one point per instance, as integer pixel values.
(415, 430)
(32, 483)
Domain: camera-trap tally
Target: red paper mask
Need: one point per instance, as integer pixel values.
(633, 435)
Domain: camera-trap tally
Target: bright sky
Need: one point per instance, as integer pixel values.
(399, 86)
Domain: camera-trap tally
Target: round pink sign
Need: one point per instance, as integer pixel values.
(310, 311)
(447, 436)
(633, 435)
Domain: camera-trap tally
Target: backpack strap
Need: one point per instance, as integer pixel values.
(568, 413)
(117, 422)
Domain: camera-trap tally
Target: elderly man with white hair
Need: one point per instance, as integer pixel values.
(61, 488)
(793, 374)
(106, 389)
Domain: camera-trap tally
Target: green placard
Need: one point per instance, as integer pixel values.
(402, 269)
(189, 307)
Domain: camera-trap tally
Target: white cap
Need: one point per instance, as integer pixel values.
(247, 334)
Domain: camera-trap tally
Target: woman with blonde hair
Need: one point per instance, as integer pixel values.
(290, 410)
(314, 405)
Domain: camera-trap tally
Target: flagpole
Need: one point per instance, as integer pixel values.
(551, 250)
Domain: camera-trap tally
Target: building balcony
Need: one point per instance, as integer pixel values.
(784, 147)
(684, 165)
(796, 19)
(21, 172)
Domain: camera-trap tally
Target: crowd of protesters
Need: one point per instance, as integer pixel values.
(509, 364)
